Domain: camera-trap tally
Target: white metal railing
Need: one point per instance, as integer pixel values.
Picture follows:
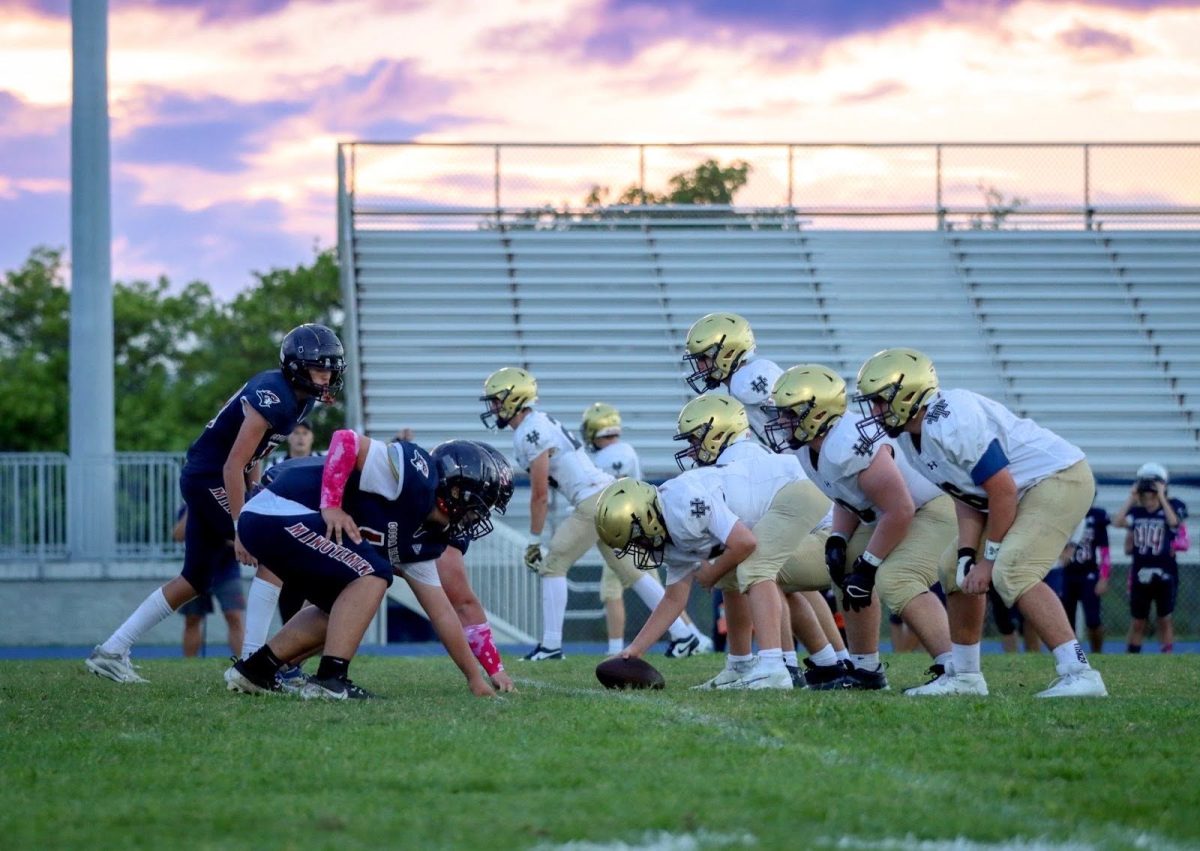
(506, 587)
(33, 505)
(988, 185)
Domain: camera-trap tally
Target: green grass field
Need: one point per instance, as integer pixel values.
(565, 764)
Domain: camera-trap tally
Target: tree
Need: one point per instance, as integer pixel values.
(707, 183)
(34, 337)
(177, 356)
(999, 208)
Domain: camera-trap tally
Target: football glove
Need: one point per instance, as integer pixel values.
(534, 553)
(966, 560)
(835, 559)
(859, 583)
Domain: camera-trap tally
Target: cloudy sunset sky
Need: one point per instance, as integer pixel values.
(225, 115)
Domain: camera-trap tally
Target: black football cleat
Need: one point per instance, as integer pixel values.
(334, 688)
(824, 677)
(864, 680)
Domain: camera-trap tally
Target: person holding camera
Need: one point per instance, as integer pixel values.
(1154, 520)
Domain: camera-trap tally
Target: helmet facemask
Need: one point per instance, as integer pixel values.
(648, 549)
(697, 453)
(705, 375)
(492, 406)
(784, 429)
(468, 511)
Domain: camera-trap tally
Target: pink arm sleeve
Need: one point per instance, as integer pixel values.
(1181, 543)
(479, 636)
(1105, 562)
(339, 464)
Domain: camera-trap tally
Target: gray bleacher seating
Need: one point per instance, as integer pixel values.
(1091, 333)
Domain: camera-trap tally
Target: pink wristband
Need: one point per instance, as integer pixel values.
(479, 637)
(1180, 543)
(339, 464)
(1105, 563)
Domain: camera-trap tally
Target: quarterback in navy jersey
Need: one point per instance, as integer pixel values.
(340, 529)
(220, 465)
(1155, 524)
(1086, 569)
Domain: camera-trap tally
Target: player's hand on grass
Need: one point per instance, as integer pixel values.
(503, 682)
(339, 524)
(480, 687)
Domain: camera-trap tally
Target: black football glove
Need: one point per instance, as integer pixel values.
(835, 559)
(966, 560)
(859, 583)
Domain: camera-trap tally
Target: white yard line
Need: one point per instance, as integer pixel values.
(658, 841)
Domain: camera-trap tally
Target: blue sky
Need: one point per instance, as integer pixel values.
(225, 115)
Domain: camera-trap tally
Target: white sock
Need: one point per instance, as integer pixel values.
(789, 658)
(615, 646)
(944, 660)
(865, 661)
(825, 657)
(965, 658)
(843, 655)
(733, 662)
(1069, 657)
(554, 610)
(770, 659)
(153, 610)
(260, 609)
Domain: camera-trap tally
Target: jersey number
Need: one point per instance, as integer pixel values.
(574, 441)
(979, 503)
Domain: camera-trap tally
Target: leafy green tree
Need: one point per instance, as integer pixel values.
(178, 356)
(707, 183)
(34, 336)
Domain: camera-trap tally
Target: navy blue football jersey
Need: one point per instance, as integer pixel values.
(1152, 538)
(1095, 537)
(271, 395)
(395, 526)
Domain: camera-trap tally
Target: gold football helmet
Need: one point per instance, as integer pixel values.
(893, 385)
(709, 423)
(716, 346)
(505, 392)
(600, 420)
(629, 519)
(808, 399)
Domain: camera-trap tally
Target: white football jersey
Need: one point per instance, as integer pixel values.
(967, 438)
(618, 459)
(742, 449)
(572, 472)
(843, 457)
(701, 506)
(751, 385)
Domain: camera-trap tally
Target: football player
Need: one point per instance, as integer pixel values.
(1155, 524)
(890, 524)
(720, 351)
(1019, 489)
(339, 530)
(554, 457)
(601, 431)
(220, 464)
(717, 434)
(1087, 566)
(743, 518)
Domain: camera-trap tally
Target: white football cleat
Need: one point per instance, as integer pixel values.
(114, 666)
(759, 678)
(706, 645)
(951, 683)
(1085, 683)
(729, 676)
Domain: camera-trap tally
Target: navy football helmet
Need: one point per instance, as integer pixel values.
(471, 482)
(312, 346)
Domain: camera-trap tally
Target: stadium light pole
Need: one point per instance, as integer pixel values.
(91, 479)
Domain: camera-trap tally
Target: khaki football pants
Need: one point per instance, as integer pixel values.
(575, 536)
(796, 509)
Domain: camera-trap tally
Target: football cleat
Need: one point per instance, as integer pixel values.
(681, 648)
(1085, 683)
(292, 679)
(114, 666)
(861, 678)
(765, 678)
(729, 676)
(945, 682)
(238, 679)
(797, 678)
(824, 677)
(706, 644)
(543, 654)
(334, 688)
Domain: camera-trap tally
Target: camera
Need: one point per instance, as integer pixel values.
(1147, 485)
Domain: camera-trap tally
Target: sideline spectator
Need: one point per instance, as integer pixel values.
(1155, 523)
(226, 586)
(1086, 569)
